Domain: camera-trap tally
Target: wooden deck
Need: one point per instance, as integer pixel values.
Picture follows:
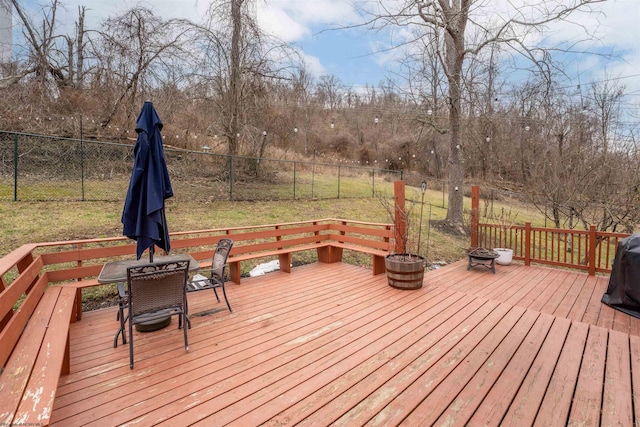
(332, 344)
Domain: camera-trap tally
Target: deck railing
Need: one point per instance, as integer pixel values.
(589, 250)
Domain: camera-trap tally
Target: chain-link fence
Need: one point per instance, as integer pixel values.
(38, 168)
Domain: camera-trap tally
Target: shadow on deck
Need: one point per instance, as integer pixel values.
(330, 343)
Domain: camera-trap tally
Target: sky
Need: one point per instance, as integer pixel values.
(358, 56)
(303, 23)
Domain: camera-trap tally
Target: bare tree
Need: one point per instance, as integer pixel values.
(302, 87)
(236, 60)
(607, 97)
(132, 45)
(329, 92)
(235, 72)
(80, 46)
(51, 56)
(423, 84)
(447, 24)
(41, 43)
(582, 172)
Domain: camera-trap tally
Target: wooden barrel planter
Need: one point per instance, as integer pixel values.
(405, 271)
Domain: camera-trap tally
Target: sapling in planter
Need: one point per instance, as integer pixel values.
(405, 267)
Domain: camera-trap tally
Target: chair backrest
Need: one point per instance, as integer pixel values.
(220, 256)
(156, 286)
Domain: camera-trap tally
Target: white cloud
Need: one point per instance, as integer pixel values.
(317, 11)
(393, 48)
(301, 22)
(294, 20)
(277, 22)
(611, 23)
(98, 11)
(314, 65)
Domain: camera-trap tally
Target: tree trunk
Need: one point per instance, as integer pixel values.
(454, 56)
(80, 47)
(71, 67)
(235, 85)
(456, 170)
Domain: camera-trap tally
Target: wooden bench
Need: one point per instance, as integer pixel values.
(78, 287)
(41, 293)
(328, 239)
(34, 344)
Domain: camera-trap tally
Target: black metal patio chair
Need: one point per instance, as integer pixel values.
(123, 302)
(157, 291)
(215, 278)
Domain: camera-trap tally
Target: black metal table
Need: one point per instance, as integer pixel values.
(116, 272)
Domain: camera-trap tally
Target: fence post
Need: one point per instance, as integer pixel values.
(81, 158)
(527, 243)
(338, 181)
(475, 215)
(313, 173)
(592, 250)
(294, 180)
(230, 177)
(373, 182)
(15, 167)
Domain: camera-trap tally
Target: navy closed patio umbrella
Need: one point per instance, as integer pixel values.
(143, 217)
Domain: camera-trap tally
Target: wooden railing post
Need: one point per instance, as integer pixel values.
(475, 215)
(278, 238)
(527, 243)
(317, 232)
(592, 250)
(400, 215)
(342, 232)
(79, 262)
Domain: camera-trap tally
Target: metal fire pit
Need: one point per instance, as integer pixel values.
(482, 257)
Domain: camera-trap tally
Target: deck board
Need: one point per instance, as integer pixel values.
(431, 340)
(479, 369)
(496, 401)
(396, 398)
(591, 298)
(634, 344)
(557, 400)
(524, 408)
(358, 363)
(587, 399)
(566, 303)
(617, 406)
(316, 375)
(331, 343)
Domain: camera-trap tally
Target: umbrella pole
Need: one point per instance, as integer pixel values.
(152, 249)
(165, 233)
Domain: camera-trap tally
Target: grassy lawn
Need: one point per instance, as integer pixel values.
(24, 222)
